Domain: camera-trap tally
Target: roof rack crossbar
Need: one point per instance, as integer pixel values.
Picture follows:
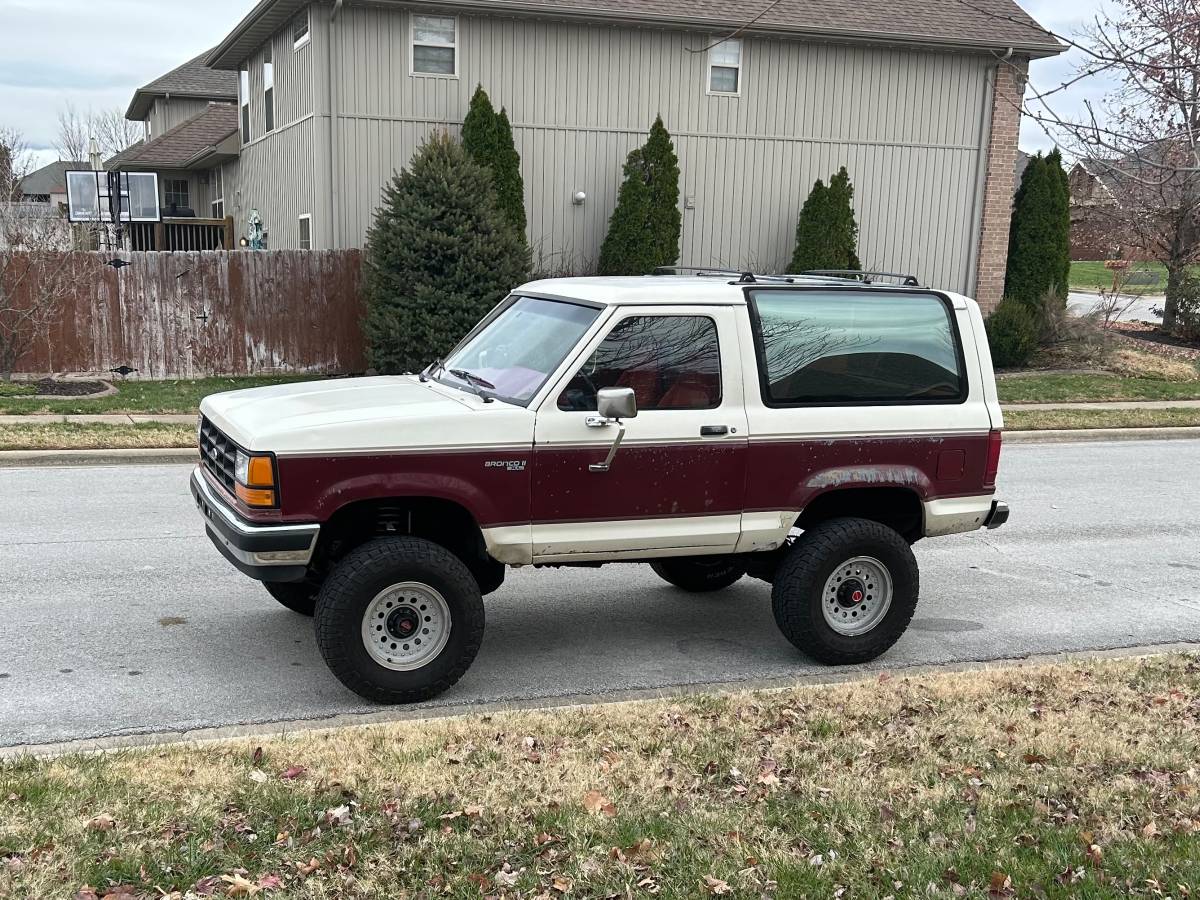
(865, 277)
(712, 271)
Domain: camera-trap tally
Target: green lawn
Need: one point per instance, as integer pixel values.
(1053, 419)
(72, 436)
(146, 397)
(1092, 276)
(1074, 780)
(1060, 388)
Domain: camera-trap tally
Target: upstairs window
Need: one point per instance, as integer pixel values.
(244, 99)
(300, 32)
(306, 232)
(435, 45)
(725, 68)
(269, 87)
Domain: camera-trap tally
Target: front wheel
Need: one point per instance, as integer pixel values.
(846, 591)
(399, 620)
(699, 574)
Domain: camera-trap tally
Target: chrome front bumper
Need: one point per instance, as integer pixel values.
(264, 552)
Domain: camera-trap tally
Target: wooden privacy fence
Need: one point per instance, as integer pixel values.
(186, 315)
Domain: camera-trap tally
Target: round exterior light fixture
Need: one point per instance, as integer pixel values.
(579, 199)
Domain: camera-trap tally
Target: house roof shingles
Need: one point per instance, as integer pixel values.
(193, 79)
(983, 24)
(51, 179)
(179, 147)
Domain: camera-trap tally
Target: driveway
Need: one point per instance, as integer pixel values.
(121, 618)
(1140, 309)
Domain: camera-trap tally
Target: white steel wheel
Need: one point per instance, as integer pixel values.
(857, 596)
(406, 626)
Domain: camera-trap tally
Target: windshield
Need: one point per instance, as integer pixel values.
(518, 350)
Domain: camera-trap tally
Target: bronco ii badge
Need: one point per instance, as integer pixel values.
(512, 465)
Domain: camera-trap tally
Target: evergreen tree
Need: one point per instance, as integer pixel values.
(1039, 244)
(439, 256)
(488, 137)
(479, 128)
(510, 186)
(826, 232)
(645, 227)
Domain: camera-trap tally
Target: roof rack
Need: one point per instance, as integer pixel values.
(865, 277)
(742, 276)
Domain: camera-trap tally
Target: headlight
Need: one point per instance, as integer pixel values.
(255, 474)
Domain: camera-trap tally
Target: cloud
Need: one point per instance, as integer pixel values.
(96, 53)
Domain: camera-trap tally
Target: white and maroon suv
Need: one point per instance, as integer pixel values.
(805, 431)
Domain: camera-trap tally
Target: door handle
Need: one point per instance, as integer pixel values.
(714, 430)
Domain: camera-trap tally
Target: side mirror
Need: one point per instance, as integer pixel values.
(616, 403)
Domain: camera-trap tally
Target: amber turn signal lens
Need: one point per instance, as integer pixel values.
(261, 473)
(255, 496)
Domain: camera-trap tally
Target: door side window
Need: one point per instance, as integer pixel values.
(671, 362)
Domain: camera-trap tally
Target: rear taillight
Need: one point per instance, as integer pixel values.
(995, 439)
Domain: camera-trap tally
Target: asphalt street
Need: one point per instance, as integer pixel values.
(120, 618)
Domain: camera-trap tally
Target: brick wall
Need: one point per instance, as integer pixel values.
(1008, 88)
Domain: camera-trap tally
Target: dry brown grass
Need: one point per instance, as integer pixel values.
(1081, 419)
(73, 436)
(1138, 364)
(1051, 781)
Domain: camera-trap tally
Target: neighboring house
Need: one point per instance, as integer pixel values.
(918, 98)
(49, 184)
(189, 117)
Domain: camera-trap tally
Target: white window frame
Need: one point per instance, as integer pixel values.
(245, 123)
(268, 71)
(307, 217)
(305, 39)
(412, 45)
(741, 67)
(218, 189)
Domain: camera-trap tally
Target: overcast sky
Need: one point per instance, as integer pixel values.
(95, 53)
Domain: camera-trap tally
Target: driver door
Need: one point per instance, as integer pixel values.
(677, 482)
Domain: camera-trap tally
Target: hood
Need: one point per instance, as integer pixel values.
(364, 414)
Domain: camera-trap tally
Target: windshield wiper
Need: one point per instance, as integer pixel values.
(472, 378)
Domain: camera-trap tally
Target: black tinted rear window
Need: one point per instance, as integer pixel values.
(857, 347)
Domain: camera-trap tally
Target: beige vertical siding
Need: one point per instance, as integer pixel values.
(907, 124)
(166, 113)
(277, 172)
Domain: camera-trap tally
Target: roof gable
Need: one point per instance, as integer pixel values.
(193, 79)
(51, 179)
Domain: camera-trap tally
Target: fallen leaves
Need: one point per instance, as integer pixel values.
(597, 804)
(102, 822)
(716, 886)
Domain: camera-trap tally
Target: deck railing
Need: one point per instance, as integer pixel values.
(182, 235)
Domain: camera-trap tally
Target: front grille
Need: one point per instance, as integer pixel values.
(218, 453)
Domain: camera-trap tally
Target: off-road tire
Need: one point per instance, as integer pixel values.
(796, 596)
(699, 574)
(299, 597)
(358, 579)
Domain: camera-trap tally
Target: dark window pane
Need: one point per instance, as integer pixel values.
(269, 104)
(847, 347)
(671, 362)
(724, 80)
(433, 60)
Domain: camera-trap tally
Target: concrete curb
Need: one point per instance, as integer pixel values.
(1092, 435)
(143, 456)
(388, 715)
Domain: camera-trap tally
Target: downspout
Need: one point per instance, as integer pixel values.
(334, 125)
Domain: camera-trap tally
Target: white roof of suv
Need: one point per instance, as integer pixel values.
(709, 289)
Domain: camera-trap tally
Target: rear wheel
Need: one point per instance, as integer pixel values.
(846, 591)
(699, 574)
(300, 596)
(399, 620)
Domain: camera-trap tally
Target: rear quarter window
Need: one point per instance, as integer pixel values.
(848, 347)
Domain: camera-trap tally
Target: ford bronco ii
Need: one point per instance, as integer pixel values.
(804, 431)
